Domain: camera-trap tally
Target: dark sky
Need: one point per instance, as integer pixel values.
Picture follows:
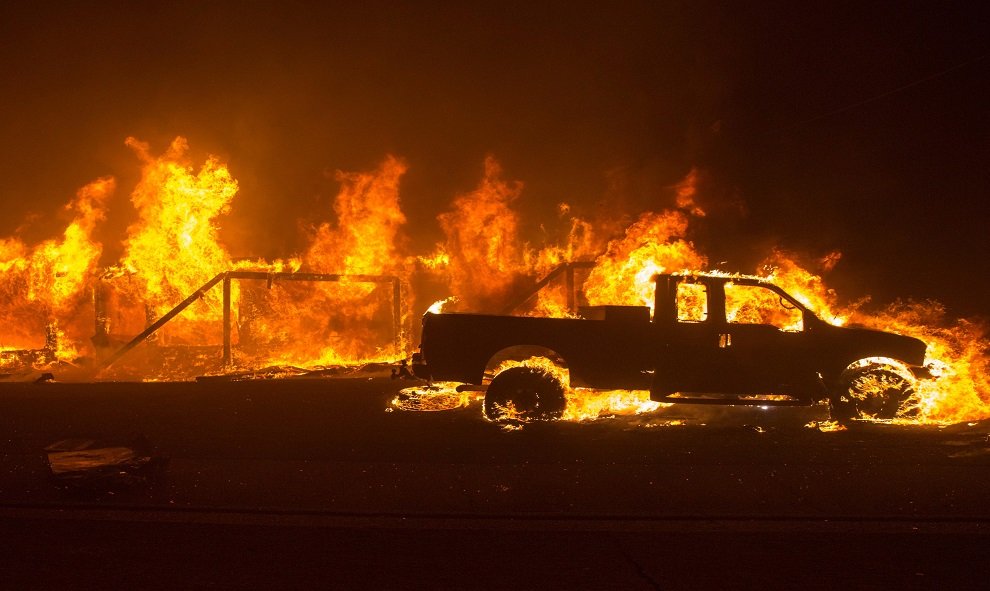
(845, 126)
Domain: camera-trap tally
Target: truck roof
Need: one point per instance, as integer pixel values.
(717, 275)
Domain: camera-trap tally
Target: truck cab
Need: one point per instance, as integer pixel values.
(745, 335)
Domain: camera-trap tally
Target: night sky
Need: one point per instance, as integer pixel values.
(843, 126)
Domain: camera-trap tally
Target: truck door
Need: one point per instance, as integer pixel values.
(762, 340)
(689, 359)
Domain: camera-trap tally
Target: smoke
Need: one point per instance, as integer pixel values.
(602, 107)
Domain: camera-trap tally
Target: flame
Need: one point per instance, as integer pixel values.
(959, 349)
(482, 240)
(584, 404)
(333, 323)
(783, 269)
(174, 247)
(436, 261)
(687, 190)
(363, 241)
(756, 305)
(438, 306)
(434, 397)
(582, 243)
(655, 243)
(44, 288)
(483, 257)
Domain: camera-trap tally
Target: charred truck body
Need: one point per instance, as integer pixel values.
(713, 339)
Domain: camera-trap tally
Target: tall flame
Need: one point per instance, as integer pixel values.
(174, 247)
(482, 242)
(364, 239)
(655, 243)
(339, 322)
(44, 288)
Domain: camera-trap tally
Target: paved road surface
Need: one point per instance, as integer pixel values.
(310, 483)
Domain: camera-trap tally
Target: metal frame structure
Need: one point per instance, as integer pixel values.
(567, 269)
(227, 276)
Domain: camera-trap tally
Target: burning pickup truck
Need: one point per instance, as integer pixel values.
(712, 339)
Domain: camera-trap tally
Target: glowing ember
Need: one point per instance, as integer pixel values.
(827, 426)
(434, 397)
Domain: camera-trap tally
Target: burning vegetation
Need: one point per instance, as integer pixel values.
(358, 289)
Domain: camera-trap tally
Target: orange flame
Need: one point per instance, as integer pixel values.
(330, 323)
(174, 248)
(363, 241)
(959, 349)
(45, 288)
(687, 190)
(584, 404)
(654, 244)
(482, 240)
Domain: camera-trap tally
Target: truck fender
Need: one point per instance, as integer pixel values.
(520, 353)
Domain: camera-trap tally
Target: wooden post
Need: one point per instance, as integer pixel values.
(227, 357)
(397, 314)
(571, 296)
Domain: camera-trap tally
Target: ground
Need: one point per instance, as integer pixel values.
(316, 483)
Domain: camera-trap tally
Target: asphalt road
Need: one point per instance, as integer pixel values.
(316, 483)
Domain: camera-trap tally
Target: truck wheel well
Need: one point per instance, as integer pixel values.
(894, 365)
(873, 387)
(520, 353)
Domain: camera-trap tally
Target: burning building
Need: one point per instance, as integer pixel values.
(177, 304)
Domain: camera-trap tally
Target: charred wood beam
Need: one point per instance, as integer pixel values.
(162, 321)
(101, 336)
(397, 314)
(227, 356)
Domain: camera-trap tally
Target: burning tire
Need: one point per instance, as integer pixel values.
(872, 392)
(525, 394)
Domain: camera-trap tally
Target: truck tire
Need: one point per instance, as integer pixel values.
(872, 392)
(525, 394)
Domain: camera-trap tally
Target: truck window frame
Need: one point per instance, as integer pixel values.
(801, 308)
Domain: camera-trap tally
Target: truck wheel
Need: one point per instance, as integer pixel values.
(873, 392)
(526, 394)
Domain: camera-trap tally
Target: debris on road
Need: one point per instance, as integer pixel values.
(85, 463)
